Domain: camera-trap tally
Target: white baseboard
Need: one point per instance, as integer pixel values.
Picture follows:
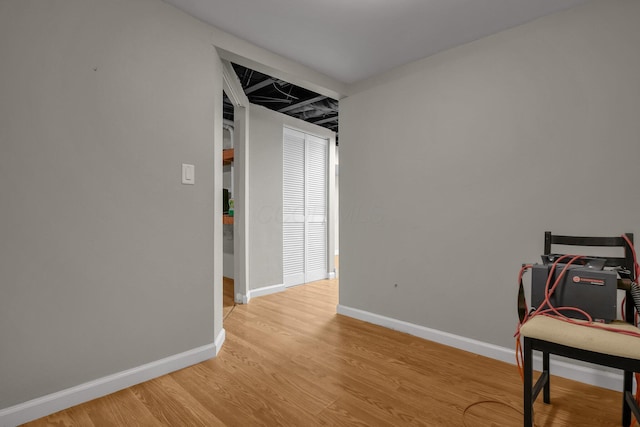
(45, 405)
(218, 343)
(267, 290)
(559, 366)
(332, 275)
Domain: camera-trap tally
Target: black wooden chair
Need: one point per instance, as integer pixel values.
(603, 347)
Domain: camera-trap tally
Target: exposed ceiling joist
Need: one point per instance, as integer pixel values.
(302, 104)
(258, 86)
(327, 120)
(284, 97)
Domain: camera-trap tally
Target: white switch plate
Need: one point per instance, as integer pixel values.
(188, 174)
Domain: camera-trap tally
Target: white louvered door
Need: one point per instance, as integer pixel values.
(293, 189)
(316, 209)
(304, 208)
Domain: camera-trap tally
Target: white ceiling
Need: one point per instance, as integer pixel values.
(350, 40)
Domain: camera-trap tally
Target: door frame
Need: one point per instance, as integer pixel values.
(235, 93)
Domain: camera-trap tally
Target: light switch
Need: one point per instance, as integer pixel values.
(188, 174)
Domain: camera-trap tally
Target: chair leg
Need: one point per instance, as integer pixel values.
(528, 384)
(547, 386)
(627, 387)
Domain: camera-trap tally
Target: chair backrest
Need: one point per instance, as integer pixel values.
(625, 262)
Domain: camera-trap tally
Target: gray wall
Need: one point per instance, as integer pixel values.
(265, 192)
(106, 260)
(455, 165)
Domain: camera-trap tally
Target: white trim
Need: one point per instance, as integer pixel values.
(242, 298)
(54, 402)
(321, 133)
(232, 85)
(266, 290)
(332, 275)
(560, 367)
(218, 343)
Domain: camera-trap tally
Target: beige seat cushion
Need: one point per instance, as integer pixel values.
(602, 341)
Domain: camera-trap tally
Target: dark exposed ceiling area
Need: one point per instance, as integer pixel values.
(285, 98)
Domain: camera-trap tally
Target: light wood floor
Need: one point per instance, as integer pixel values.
(290, 360)
(228, 301)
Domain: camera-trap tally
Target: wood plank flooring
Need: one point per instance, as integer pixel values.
(289, 360)
(228, 301)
